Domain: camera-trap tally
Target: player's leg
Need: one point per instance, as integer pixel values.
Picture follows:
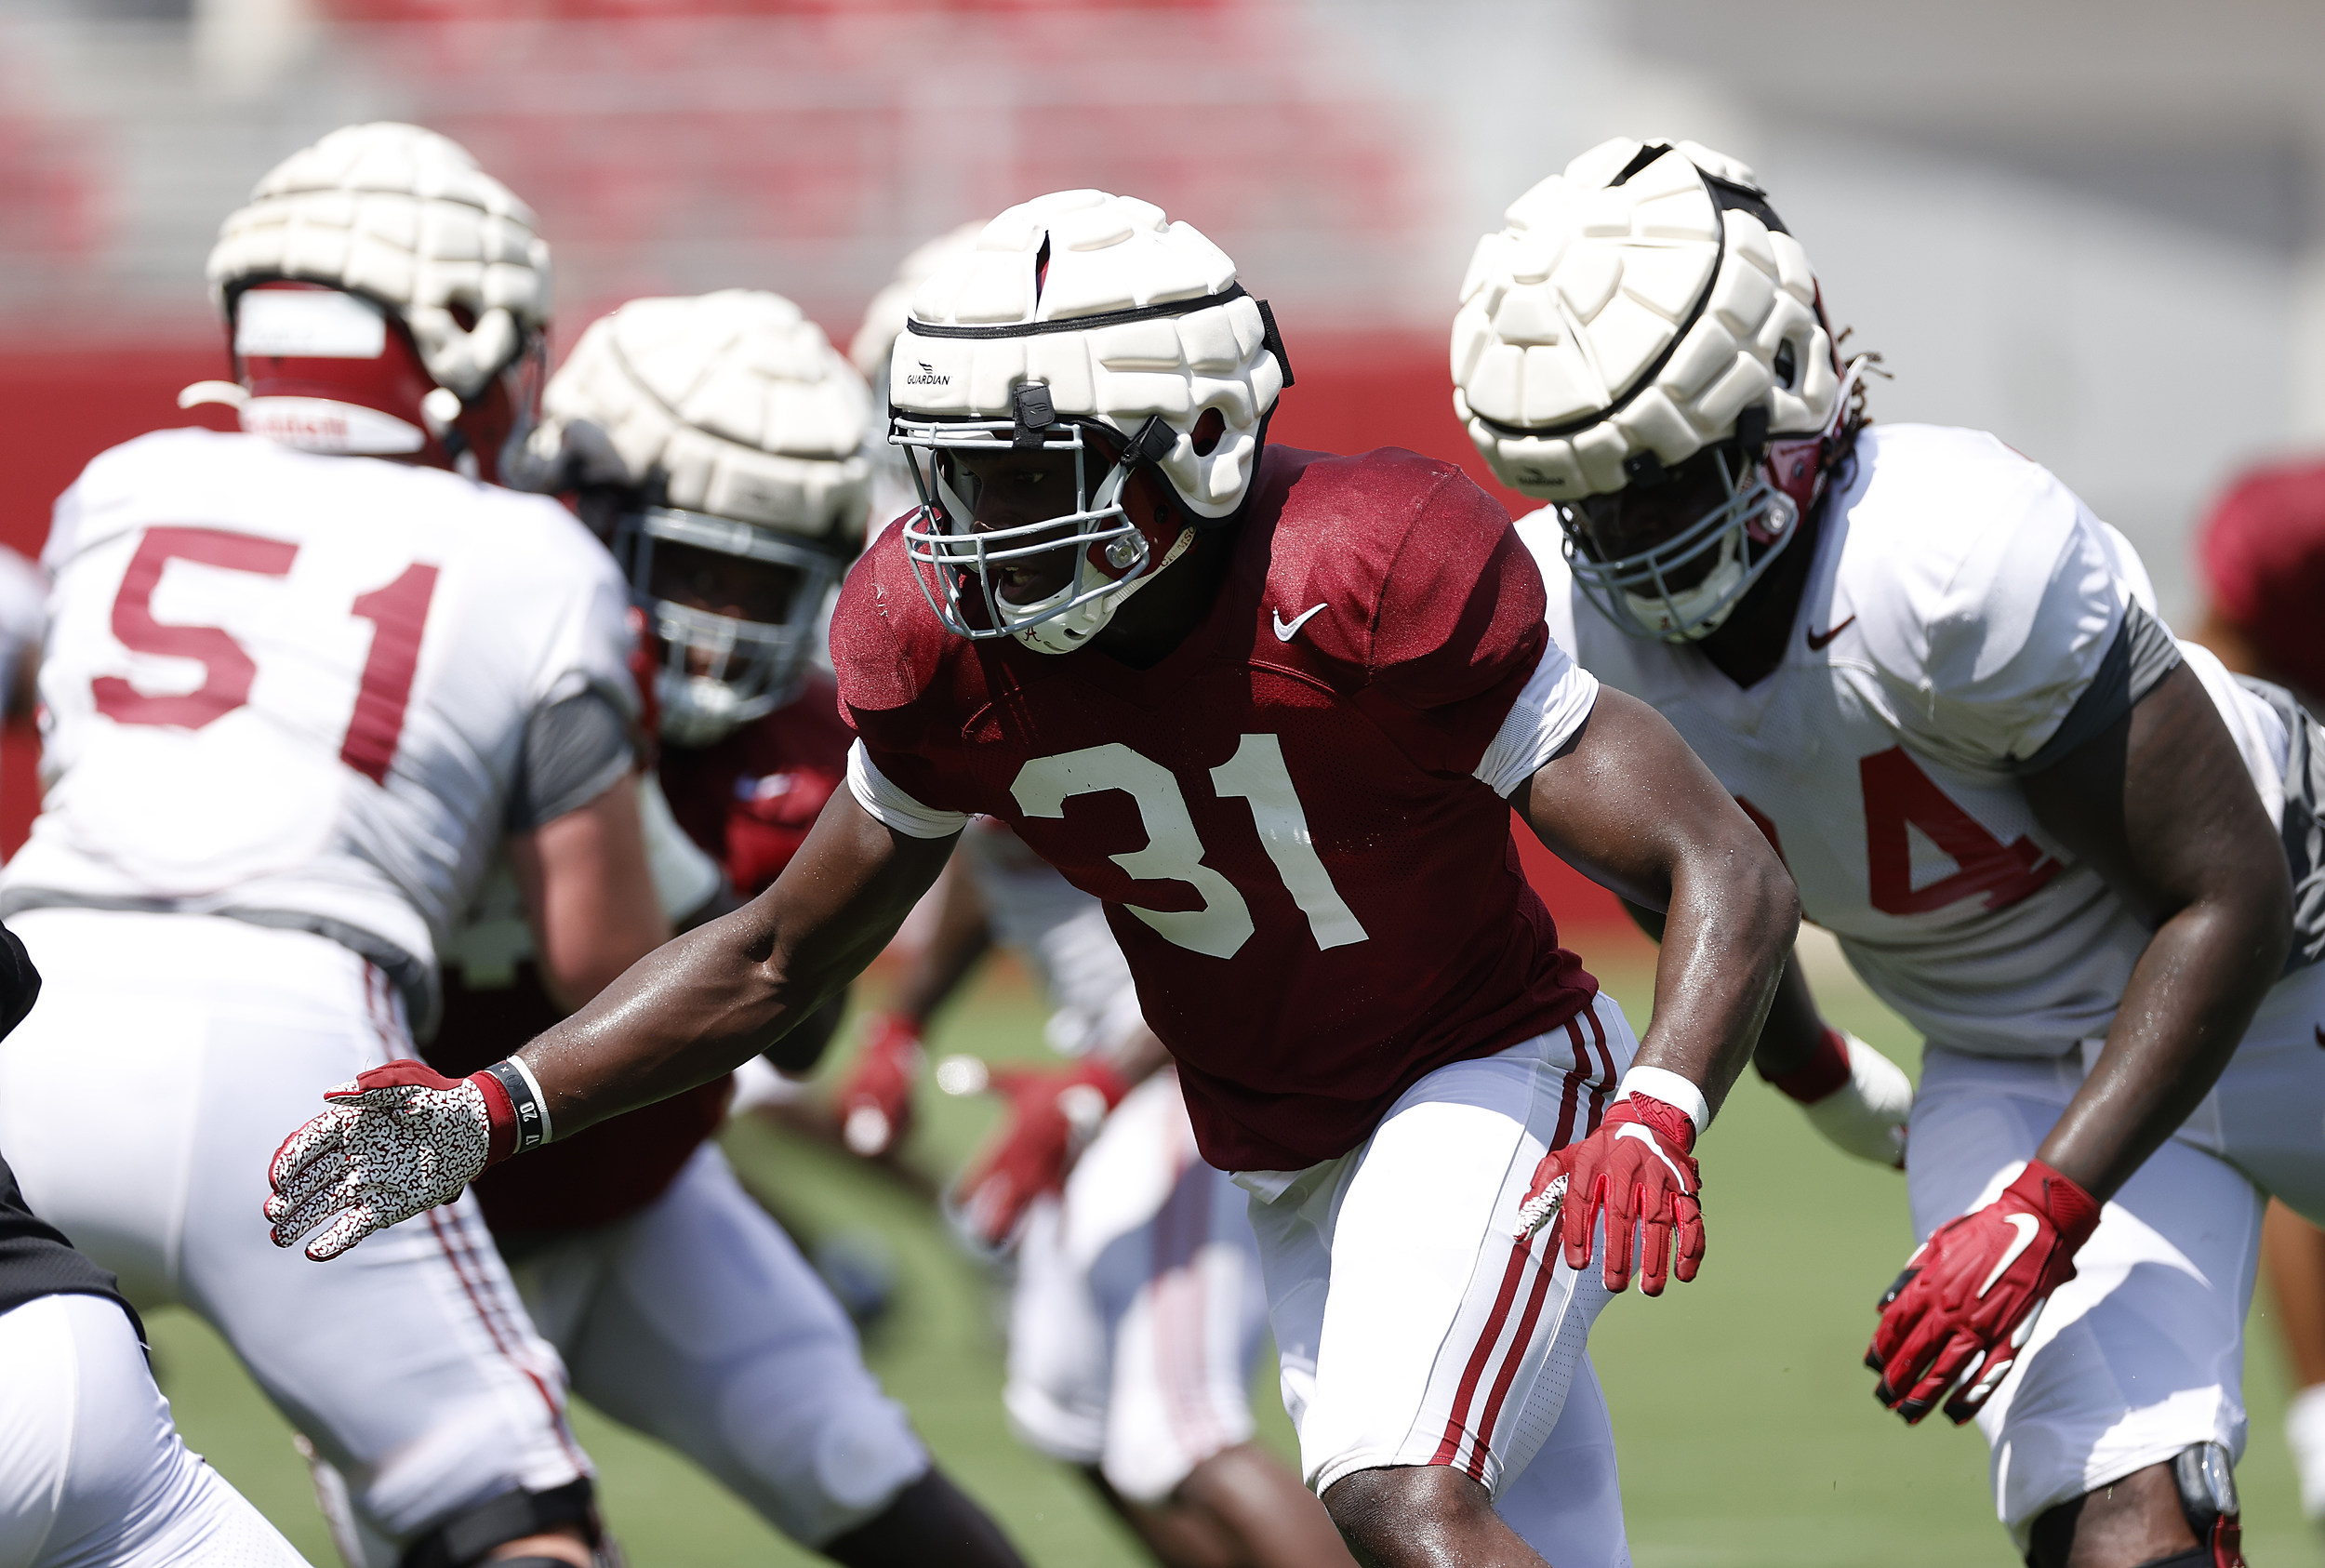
(409, 1362)
(1572, 1493)
(2293, 1251)
(1442, 1350)
(2136, 1360)
(704, 1327)
(92, 1471)
(1158, 1250)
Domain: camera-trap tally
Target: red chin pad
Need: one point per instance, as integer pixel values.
(1792, 465)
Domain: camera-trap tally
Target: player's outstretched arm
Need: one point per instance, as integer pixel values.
(1631, 806)
(402, 1139)
(2160, 804)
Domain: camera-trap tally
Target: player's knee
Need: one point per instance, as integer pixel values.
(1385, 1513)
(476, 1534)
(823, 1466)
(2177, 1515)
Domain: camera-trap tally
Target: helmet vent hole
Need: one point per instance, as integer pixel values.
(1041, 269)
(1786, 367)
(1207, 432)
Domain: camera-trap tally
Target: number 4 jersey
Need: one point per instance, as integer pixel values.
(1296, 820)
(308, 690)
(1962, 606)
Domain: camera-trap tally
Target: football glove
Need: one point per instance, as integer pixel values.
(1637, 1170)
(1970, 1295)
(875, 1102)
(1053, 1113)
(1854, 1096)
(398, 1139)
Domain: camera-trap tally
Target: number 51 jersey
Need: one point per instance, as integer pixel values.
(1295, 820)
(295, 688)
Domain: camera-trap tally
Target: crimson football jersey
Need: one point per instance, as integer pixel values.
(748, 802)
(1320, 902)
(2263, 553)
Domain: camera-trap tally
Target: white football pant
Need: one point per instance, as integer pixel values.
(1138, 1307)
(2141, 1354)
(140, 1104)
(1414, 1329)
(92, 1472)
(698, 1321)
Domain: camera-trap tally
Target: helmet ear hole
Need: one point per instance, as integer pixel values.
(1207, 432)
(1786, 366)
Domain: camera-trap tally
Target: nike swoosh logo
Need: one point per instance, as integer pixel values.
(1285, 628)
(2028, 1228)
(1816, 640)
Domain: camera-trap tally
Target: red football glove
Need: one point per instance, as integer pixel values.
(875, 1102)
(1967, 1303)
(1637, 1170)
(1053, 1113)
(399, 1139)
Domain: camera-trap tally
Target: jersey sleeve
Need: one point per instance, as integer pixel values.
(1985, 635)
(1460, 604)
(886, 651)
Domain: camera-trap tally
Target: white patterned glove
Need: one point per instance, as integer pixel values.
(1855, 1097)
(399, 1139)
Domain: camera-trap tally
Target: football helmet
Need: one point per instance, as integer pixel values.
(1643, 345)
(383, 295)
(720, 444)
(1084, 339)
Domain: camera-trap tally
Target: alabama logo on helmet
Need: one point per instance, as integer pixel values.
(1090, 329)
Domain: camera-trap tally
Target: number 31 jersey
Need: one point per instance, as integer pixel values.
(1961, 601)
(1315, 888)
(295, 688)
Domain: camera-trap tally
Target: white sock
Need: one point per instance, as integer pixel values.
(2304, 1430)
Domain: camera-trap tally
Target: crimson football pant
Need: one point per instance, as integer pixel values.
(2141, 1354)
(140, 1104)
(1414, 1329)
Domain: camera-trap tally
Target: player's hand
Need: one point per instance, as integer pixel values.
(1967, 1303)
(1637, 1170)
(875, 1102)
(1053, 1113)
(399, 1139)
(1854, 1096)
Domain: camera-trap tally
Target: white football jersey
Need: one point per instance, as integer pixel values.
(1960, 602)
(295, 688)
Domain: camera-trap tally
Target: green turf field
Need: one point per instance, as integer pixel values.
(1747, 1429)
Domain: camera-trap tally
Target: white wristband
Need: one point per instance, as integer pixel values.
(1671, 1089)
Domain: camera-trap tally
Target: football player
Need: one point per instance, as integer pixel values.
(1138, 1307)
(718, 443)
(2263, 553)
(302, 684)
(2043, 832)
(92, 1470)
(1273, 709)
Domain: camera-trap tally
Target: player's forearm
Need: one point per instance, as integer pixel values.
(1793, 1030)
(1725, 939)
(2190, 998)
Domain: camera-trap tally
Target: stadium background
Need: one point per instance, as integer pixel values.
(2097, 230)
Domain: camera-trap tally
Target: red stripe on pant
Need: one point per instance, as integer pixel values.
(1510, 1362)
(1449, 1446)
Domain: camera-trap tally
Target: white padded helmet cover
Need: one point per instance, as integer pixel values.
(404, 216)
(735, 403)
(1608, 320)
(875, 341)
(1106, 254)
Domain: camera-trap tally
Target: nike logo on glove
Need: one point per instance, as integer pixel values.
(1285, 628)
(2028, 1228)
(1816, 640)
